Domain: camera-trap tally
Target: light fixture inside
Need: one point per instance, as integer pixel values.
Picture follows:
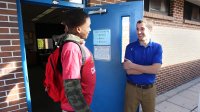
(44, 13)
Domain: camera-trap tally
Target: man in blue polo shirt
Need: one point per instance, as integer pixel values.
(143, 59)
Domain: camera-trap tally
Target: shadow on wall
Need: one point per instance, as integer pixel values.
(12, 91)
(13, 94)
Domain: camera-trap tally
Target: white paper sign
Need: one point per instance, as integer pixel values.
(102, 53)
(102, 37)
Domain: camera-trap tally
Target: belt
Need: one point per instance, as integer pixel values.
(142, 86)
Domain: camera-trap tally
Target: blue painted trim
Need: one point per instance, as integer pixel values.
(23, 54)
(85, 2)
(60, 4)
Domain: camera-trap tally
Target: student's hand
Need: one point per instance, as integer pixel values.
(127, 64)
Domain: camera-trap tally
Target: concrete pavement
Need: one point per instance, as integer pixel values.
(184, 98)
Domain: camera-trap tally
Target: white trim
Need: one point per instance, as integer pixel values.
(7, 2)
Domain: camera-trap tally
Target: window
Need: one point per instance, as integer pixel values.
(195, 13)
(44, 43)
(191, 11)
(157, 6)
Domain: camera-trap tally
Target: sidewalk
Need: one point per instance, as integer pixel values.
(184, 98)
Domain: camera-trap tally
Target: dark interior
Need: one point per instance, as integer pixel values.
(47, 25)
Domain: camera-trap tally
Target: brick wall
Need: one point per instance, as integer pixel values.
(180, 56)
(176, 10)
(175, 75)
(175, 19)
(180, 41)
(12, 90)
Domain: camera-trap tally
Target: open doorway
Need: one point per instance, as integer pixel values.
(40, 24)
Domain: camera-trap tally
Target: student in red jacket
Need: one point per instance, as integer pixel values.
(79, 81)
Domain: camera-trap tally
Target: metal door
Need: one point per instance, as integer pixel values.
(112, 27)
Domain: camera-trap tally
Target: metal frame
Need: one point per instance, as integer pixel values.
(23, 54)
(21, 34)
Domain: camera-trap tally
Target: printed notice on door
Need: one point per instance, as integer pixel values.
(101, 37)
(102, 53)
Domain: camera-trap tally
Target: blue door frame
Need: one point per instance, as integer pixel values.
(109, 92)
(23, 54)
(63, 4)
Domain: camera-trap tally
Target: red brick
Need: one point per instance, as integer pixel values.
(17, 53)
(2, 94)
(8, 12)
(2, 105)
(12, 18)
(21, 85)
(5, 54)
(11, 97)
(12, 6)
(15, 102)
(112, 1)
(14, 81)
(12, 59)
(5, 88)
(4, 30)
(2, 5)
(21, 110)
(9, 76)
(12, 70)
(18, 64)
(10, 48)
(23, 105)
(22, 95)
(6, 65)
(5, 42)
(94, 2)
(23, 100)
(19, 75)
(22, 89)
(1, 82)
(3, 18)
(9, 36)
(16, 91)
(14, 30)
(15, 42)
(8, 24)
(9, 108)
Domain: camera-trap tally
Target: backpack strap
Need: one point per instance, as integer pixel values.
(82, 52)
(81, 48)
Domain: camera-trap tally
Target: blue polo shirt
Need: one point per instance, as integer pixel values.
(143, 56)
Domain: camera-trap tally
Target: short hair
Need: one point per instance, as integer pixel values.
(74, 18)
(148, 23)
